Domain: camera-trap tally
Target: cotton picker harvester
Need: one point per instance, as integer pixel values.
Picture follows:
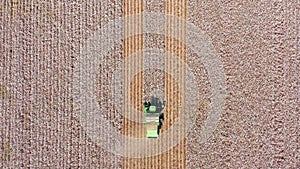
(154, 117)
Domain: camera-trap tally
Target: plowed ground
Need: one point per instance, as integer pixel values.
(258, 42)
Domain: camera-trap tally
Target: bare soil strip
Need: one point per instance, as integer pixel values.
(135, 94)
(175, 100)
(175, 158)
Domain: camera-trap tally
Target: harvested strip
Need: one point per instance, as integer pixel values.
(135, 92)
(176, 156)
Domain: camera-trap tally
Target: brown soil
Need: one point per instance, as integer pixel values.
(258, 45)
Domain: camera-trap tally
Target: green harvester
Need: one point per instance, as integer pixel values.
(154, 117)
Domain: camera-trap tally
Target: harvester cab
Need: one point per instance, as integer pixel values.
(154, 117)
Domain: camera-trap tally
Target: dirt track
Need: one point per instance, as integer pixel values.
(257, 42)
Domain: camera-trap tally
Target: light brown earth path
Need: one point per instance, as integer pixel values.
(174, 97)
(174, 158)
(133, 92)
